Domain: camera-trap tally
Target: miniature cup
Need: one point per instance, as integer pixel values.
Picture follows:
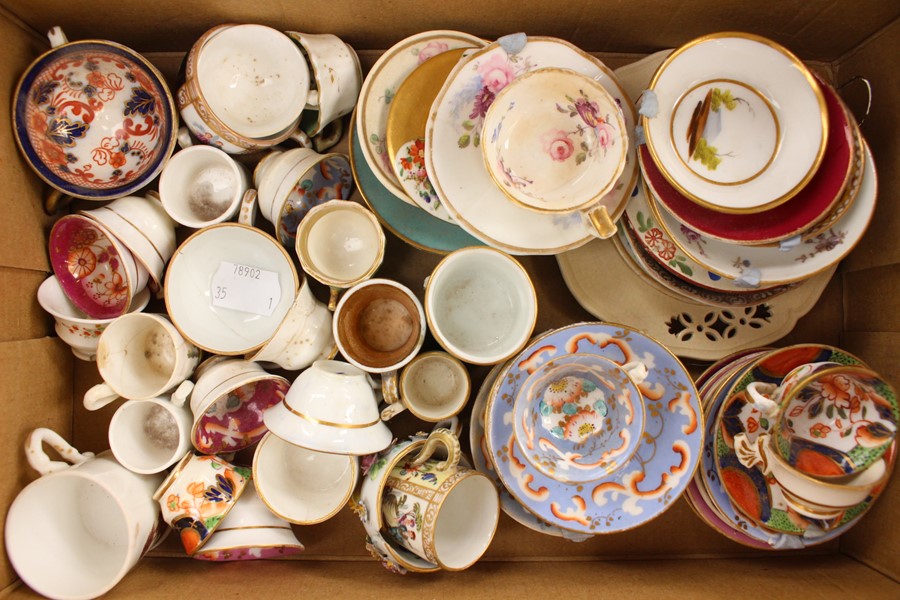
(202, 186)
(481, 305)
(142, 356)
(197, 495)
(250, 532)
(832, 420)
(292, 182)
(149, 436)
(379, 326)
(434, 387)
(440, 511)
(228, 402)
(331, 407)
(72, 326)
(299, 485)
(143, 226)
(337, 76)
(807, 495)
(340, 244)
(75, 532)
(303, 337)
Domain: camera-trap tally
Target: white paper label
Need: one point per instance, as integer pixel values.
(245, 288)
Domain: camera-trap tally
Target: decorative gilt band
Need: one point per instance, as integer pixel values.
(330, 423)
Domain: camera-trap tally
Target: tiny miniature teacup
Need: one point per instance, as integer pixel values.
(331, 407)
(197, 495)
(228, 402)
(340, 244)
(434, 387)
(245, 87)
(75, 532)
(300, 485)
(202, 186)
(292, 182)
(72, 326)
(143, 226)
(379, 326)
(832, 420)
(95, 269)
(142, 356)
(481, 305)
(580, 417)
(303, 337)
(440, 511)
(149, 436)
(337, 76)
(807, 495)
(250, 532)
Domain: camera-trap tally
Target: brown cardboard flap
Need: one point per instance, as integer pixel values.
(43, 399)
(20, 313)
(865, 292)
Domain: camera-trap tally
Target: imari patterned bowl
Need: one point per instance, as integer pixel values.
(554, 140)
(94, 119)
(579, 417)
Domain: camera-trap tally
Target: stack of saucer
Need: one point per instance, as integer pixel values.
(756, 177)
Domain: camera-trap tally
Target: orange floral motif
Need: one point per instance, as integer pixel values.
(819, 430)
(116, 288)
(416, 157)
(837, 388)
(81, 262)
(752, 425)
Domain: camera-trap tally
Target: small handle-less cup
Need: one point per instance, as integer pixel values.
(340, 244)
(149, 436)
(141, 356)
(438, 510)
(75, 532)
(434, 387)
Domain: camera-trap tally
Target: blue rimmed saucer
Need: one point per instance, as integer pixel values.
(644, 487)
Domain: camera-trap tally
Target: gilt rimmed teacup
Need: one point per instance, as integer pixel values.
(434, 387)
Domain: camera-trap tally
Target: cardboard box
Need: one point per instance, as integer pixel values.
(41, 383)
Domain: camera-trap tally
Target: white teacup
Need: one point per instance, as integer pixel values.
(434, 387)
(337, 76)
(142, 356)
(75, 532)
(481, 305)
(149, 436)
(202, 186)
(299, 485)
(340, 244)
(75, 328)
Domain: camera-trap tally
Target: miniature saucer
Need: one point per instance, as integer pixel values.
(481, 460)
(742, 123)
(379, 88)
(786, 220)
(768, 266)
(578, 418)
(228, 287)
(663, 464)
(554, 140)
(406, 123)
(455, 163)
(409, 223)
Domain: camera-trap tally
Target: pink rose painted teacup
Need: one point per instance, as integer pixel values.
(198, 494)
(94, 119)
(97, 272)
(72, 326)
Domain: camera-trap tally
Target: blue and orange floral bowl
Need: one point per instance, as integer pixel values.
(94, 119)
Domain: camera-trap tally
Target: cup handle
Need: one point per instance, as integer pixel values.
(38, 459)
(301, 138)
(247, 214)
(392, 410)
(637, 371)
(440, 437)
(184, 137)
(329, 136)
(57, 37)
(755, 453)
(312, 100)
(762, 395)
(599, 223)
(55, 200)
(334, 294)
(389, 388)
(99, 396)
(452, 424)
(181, 393)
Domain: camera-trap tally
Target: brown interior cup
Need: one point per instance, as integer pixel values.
(378, 325)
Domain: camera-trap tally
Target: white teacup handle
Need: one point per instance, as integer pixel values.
(389, 388)
(301, 138)
(184, 137)
(247, 213)
(312, 99)
(57, 37)
(637, 371)
(392, 410)
(181, 393)
(441, 437)
(762, 395)
(99, 396)
(755, 453)
(38, 459)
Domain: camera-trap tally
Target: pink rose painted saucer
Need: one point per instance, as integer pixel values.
(90, 266)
